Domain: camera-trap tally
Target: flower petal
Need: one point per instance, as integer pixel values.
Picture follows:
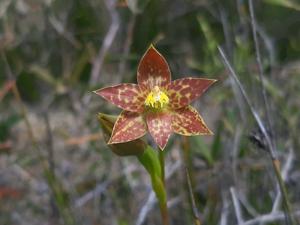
(126, 96)
(187, 121)
(129, 126)
(153, 70)
(182, 92)
(160, 127)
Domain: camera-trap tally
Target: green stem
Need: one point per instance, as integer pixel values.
(161, 156)
(287, 204)
(163, 205)
(164, 213)
(154, 164)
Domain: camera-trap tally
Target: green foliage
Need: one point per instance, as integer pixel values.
(199, 147)
(150, 161)
(6, 124)
(28, 87)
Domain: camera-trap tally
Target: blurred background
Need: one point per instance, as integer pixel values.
(54, 165)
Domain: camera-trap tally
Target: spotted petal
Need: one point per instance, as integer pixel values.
(129, 126)
(159, 126)
(187, 121)
(126, 96)
(153, 70)
(182, 92)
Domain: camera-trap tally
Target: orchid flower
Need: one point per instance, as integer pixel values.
(156, 104)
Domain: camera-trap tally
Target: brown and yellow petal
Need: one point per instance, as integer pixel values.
(183, 91)
(135, 147)
(187, 121)
(126, 96)
(153, 70)
(129, 126)
(160, 127)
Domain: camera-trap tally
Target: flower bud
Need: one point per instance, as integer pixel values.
(135, 147)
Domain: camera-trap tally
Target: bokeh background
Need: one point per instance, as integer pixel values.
(54, 165)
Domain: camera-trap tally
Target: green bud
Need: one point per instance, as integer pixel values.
(136, 147)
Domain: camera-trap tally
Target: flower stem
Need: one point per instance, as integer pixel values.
(164, 213)
(154, 164)
(161, 156)
(163, 204)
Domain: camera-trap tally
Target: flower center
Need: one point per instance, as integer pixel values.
(156, 98)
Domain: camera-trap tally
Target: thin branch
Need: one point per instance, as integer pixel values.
(267, 218)
(226, 30)
(268, 44)
(235, 150)
(196, 213)
(225, 210)
(12, 77)
(49, 143)
(8, 85)
(50, 158)
(108, 40)
(237, 207)
(247, 205)
(101, 188)
(286, 168)
(127, 45)
(228, 44)
(186, 164)
(61, 30)
(54, 183)
(260, 67)
(146, 208)
(247, 99)
(271, 147)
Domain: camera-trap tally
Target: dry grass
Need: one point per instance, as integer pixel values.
(54, 165)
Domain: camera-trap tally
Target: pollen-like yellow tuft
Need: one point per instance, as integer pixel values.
(156, 99)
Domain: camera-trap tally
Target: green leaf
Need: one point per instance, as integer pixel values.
(28, 87)
(217, 143)
(45, 75)
(285, 3)
(198, 145)
(6, 124)
(149, 159)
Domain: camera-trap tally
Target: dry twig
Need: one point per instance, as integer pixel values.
(237, 207)
(107, 42)
(271, 148)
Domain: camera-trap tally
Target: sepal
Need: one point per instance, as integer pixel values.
(131, 148)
